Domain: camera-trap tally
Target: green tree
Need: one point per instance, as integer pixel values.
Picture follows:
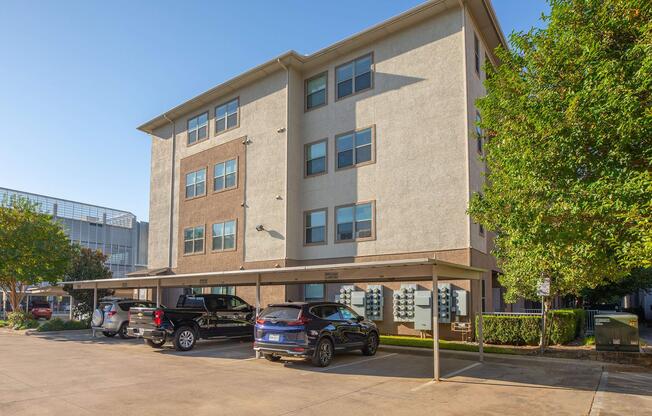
(568, 128)
(87, 264)
(33, 248)
(640, 278)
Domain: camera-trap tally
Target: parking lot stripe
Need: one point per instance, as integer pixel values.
(596, 405)
(461, 370)
(321, 370)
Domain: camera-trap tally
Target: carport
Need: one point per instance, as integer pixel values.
(407, 270)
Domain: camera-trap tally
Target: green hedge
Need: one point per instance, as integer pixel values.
(564, 325)
(58, 324)
(21, 320)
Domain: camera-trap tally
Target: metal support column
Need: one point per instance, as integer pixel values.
(70, 308)
(94, 297)
(158, 292)
(257, 304)
(480, 338)
(4, 304)
(27, 304)
(435, 324)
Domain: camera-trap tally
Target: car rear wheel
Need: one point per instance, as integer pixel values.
(323, 353)
(184, 338)
(108, 334)
(371, 346)
(122, 332)
(272, 357)
(155, 344)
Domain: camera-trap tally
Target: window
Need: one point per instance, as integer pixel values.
(354, 76)
(225, 175)
(354, 148)
(226, 116)
(224, 236)
(478, 131)
(476, 52)
(313, 292)
(481, 229)
(316, 158)
(195, 183)
(354, 222)
(237, 304)
(347, 314)
(327, 312)
(223, 290)
(198, 128)
(193, 240)
(315, 225)
(487, 73)
(316, 88)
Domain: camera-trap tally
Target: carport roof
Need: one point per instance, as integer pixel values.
(377, 271)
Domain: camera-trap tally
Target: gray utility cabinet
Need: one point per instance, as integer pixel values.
(423, 310)
(616, 331)
(353, 298)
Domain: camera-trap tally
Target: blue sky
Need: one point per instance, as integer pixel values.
(77, 77)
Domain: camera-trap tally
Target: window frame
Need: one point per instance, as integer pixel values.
(372, 70)
(237, 177)
(476, 53)
(355, 164)
(305, 92)
(304, 228)
(194, 252)
(226, 118)
(305, 158)
(373, 222)
(479, 146)
(185, 186)
(235, 236)
(208, 134)
(323, 292)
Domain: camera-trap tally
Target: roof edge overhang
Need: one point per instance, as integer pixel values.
(376, 271)
(483, 9)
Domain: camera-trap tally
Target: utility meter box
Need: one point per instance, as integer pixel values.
(616, 331)
(375, 302)
(423, 310)
(353, 298)
(460, 302)
(445, 306)
(403, 302)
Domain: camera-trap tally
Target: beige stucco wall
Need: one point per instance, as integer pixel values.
(262, 114)
(419, 180)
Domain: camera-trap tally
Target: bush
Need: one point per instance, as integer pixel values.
(21, 320)
(564, 325)
(58, 324)
(3, 324)
(510, 329)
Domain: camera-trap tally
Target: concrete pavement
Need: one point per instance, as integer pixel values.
(74, 374)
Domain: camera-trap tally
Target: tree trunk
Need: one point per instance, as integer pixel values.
(545, 307)
(15, 293)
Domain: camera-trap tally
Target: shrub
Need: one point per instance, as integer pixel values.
(58, 324)
(21, 320)
(564, 325)
(3, 324)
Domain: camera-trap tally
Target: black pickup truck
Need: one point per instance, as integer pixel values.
(196, 316)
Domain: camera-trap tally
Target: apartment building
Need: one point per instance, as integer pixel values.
(365, 150)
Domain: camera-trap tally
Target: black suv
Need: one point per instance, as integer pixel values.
(196, 316)
(313, 330)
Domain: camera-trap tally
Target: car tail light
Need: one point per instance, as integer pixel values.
(111, 313)
(260, 321)
(301, 321)
(158, 317)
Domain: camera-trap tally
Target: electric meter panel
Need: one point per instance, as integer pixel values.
(353, 298)
(445, 304)
(374, 302)
(403, 303)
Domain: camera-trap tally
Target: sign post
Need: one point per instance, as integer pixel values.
(543, 290)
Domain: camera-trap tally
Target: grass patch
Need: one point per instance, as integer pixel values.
(404, 341)
(58, 324)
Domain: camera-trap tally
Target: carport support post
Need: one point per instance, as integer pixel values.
(95, 297)
(158, 292)
(480, 338)
(435, 324)
(257, 304)
(70, 300)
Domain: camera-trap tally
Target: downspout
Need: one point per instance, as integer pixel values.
(287, 149)
(172, 170)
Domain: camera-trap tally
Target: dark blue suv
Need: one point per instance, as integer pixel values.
(313, 330)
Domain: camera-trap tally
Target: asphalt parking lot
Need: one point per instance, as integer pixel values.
(74, 374)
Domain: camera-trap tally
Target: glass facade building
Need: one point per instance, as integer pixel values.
(116, 233)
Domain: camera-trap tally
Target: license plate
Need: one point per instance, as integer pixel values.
(274, 337)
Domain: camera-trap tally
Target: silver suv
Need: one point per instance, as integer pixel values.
(112, 315)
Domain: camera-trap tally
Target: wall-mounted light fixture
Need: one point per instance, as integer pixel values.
(260, 227)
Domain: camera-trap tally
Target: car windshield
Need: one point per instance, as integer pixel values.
(40, 305)
(281, 313)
